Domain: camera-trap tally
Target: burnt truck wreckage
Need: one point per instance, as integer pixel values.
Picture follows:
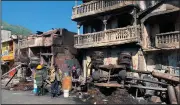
(148, 85)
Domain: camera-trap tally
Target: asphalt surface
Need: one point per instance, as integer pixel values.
(27, 97)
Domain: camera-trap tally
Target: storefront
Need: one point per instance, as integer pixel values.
(8, 52)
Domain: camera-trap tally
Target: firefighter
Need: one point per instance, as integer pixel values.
(40, 77)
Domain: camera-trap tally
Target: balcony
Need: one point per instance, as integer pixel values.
(168, 40)
(109, 37)
(98, 6)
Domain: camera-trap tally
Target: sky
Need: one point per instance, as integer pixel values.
(39, 15)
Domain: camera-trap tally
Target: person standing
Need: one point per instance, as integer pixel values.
(40, 76)
(55, 82)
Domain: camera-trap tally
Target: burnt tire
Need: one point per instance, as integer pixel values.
(96, 75)
(125, 53)
(122, 75)
(97, 55)
(127, 62)
(97, 59)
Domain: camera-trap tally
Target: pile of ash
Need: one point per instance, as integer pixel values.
(116, 96)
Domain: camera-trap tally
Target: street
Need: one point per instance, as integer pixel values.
(27, 97)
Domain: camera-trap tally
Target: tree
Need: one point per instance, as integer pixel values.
(15, 29)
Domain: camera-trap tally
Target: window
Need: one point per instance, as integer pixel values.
(167, 27)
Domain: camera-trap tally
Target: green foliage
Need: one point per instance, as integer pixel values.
(18, 30)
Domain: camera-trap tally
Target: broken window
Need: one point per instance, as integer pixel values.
(166, 27)
(92, 26)
(112, 23)
(125, 20)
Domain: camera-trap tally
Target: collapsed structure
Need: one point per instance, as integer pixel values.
(48, 47)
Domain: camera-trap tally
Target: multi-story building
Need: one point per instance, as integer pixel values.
(47, 46)
(9, 47)
(118, 25)
(161, 36)
(108, 26)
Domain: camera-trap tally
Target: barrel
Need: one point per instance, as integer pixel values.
(67, 83)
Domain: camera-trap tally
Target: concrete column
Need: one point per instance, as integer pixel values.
(105, 24)
(29, 52)
(134, 16)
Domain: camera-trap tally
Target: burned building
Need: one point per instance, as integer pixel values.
(143, 28)
(47, 45)
(161, 36)
(111, 27)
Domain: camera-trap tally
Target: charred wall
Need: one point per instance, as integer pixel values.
(163, 61)
(111, 55)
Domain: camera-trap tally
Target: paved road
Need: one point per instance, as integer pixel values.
(27, 97)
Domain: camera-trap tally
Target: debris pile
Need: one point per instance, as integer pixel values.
(120, 96)
(25, 86)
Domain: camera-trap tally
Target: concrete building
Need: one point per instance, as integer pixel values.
(9, 47)
(161, 36)
(116, 26)
(47, 45)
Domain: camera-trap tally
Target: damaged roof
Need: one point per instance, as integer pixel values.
(50, 32)
(149, 9)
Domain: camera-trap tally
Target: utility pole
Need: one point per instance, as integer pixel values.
(0, 50)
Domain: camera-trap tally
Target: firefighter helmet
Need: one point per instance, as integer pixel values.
(39, 67)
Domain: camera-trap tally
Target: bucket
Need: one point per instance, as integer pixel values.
(35, 90)
(35, 87)
(66, 93)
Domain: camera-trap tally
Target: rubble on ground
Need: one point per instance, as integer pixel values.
(25, 86)
(119, 96)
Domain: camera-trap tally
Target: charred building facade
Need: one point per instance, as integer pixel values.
(47, 47)
(116, 26)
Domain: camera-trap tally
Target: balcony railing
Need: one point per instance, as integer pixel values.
(168, 40)
(98, 6)
(108, 37)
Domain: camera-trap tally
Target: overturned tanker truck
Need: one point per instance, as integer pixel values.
(121, 75)
(109, 75)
